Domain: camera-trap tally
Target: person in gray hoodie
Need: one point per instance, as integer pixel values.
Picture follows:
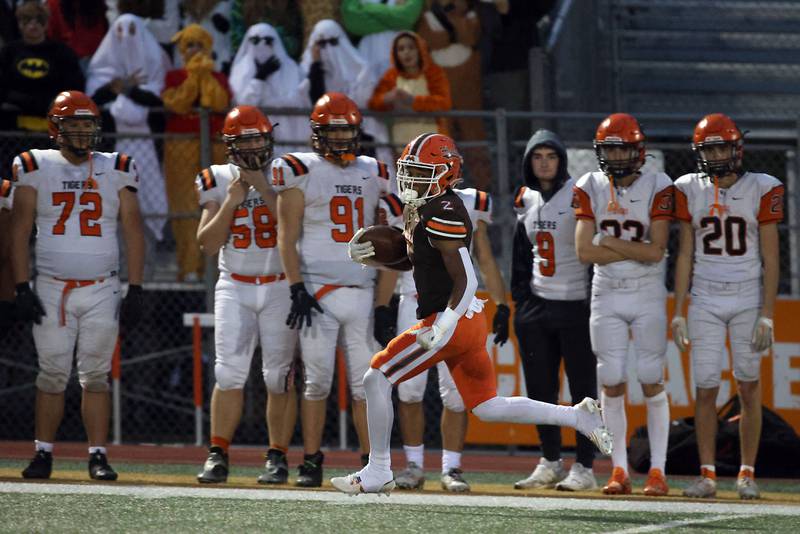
(549, 288)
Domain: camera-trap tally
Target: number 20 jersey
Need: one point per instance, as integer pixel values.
(77, 207)
(338, 201)
(727, 245)
(252, 246)
(649, 198)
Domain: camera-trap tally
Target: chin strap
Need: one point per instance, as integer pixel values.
(720, 208)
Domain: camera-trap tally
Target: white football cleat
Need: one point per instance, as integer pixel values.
(546, 475)
(579, 479)
(412, 477)
(590, 424)
(352, 485)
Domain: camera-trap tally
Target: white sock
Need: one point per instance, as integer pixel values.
(380, 415)
(709, 467)
(614, 417)
(658, 429)
(415, 454)
(525, 410)
(450, 460)
(101, 450)
(750, 468)
(43, 446)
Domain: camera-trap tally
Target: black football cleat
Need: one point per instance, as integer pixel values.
(215, 470)
(40, 467)
(99, 468)
(277, 468)
(310, 473)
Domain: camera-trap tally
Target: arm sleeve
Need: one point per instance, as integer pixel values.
(770, 208)
(316, 75)
(521, 265)
(103, 95)
(438, 98)
(363, 18)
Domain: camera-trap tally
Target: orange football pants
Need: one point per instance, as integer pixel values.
(464, 352)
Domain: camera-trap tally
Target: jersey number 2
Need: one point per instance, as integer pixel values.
(263, 224)
(545, 247)
(342, 215)
(88, 217)
(735, 230)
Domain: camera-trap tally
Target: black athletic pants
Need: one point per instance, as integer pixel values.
(548, 330)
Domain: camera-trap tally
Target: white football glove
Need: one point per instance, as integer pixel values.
(430, 337)
(680, 333)
(763, 334)
(359, 252)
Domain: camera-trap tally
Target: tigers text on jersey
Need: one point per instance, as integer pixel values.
(338, 201)
(648, 198)
(550, 227)
(441, 218)
(727, 245)
(479, 208)
(6, 194)
(77, 208)
(252, 246)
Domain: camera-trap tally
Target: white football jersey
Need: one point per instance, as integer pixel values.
(6, 194)
(252, 246)
(727, 244)
(550, 227)
(648, 198)
(479, 208)
(338, 201)
(77, 209)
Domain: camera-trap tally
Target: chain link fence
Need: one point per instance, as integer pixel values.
(155, 402)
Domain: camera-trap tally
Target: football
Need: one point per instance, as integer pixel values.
(389, 243)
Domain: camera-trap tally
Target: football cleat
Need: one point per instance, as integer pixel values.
(746, 486)
(277, 469)
(546, 475)
(309, 474)
(656, 485)
(99, 468)
(41, 465)
(215, 470)
(411, 478)
(579, 479)
(619, 483)
(352, 485)
(453, 481)
(701, 488)
(590, 424)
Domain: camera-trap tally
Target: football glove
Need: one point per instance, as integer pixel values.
(429, 337)
(302, 305)
(500, 324)
(384, 328)
(763, 334)
(680, 333)
(29, 307)
(359, 252)
(132, 307)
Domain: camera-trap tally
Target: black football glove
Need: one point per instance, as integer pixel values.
(385, 327)
(500, 324)
(302, 304)
(268, 68)
(29, 307)
(132, 307)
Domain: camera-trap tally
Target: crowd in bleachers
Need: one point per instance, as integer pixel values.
(137, 57)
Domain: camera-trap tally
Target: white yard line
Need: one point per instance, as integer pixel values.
(535, 503)
(678, 523)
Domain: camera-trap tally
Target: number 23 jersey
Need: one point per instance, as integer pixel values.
(338, 201)
(77, 207)
(727, 244)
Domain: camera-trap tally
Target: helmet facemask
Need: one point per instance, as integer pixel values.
(419, 182)
(710, 164)
(618, 167)
(341, 147)
(78, 141)
(251, 156)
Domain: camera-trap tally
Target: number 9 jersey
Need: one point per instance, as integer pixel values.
(77, 208)
(727, 240)
(338, 201)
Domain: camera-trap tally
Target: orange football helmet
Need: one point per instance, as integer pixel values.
(428, 166)
(335, 112)
(243, 124)
(72, 106)
(619, 130)
(718, 130)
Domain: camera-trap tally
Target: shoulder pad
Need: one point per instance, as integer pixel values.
(296, 164)
(122, 162)
(29, 163)
(207, 179)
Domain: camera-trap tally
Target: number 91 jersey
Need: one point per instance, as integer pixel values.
(338, 201)
(727, 245)
(626, 215)
(77, 207)
(251, 248)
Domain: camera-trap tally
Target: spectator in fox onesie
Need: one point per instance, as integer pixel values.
(452, 326)
(729, 251)
(251, 299)
(549, 286)
(324, 198)
(623, 224)
(194, 85)
(76, 197)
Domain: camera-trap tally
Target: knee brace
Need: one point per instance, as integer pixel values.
(51, 381)
(413, 390)
(95, 381)
(650, 368)
(229, 377)
(451, 399)
(611, 372)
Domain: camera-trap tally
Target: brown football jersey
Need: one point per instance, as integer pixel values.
(442, 218)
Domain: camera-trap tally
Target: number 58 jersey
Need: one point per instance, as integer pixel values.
(77, 207)
(338, 201)
(727, 245)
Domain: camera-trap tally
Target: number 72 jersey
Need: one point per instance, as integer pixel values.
(727, 245)
(338, 201)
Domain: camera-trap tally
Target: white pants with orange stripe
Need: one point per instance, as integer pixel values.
(246, 315)
(90, 319)
(347, 322)
(413, 389)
